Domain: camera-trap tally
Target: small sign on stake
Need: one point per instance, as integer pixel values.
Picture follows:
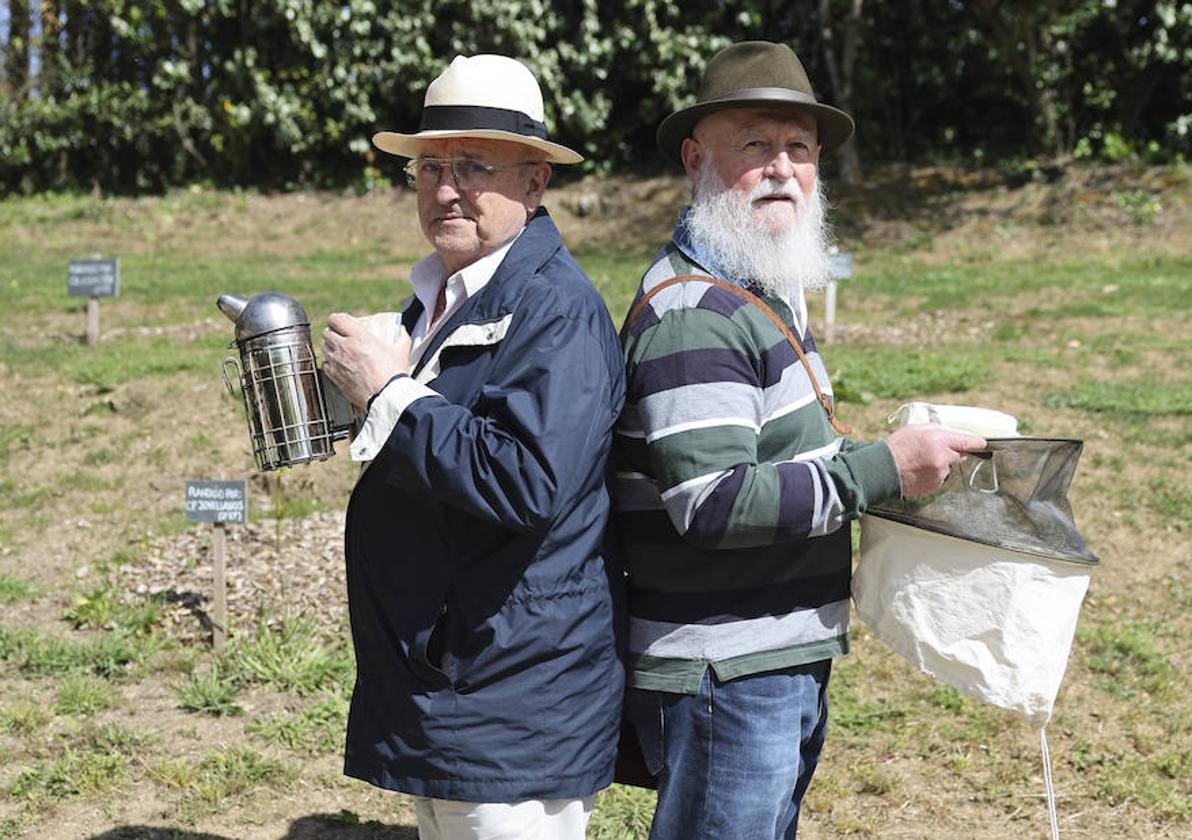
(842, 269)
(218, 502)
(93, 279)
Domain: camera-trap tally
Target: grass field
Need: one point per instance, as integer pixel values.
(1067, 305)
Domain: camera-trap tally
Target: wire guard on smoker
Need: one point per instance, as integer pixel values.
(283, 389)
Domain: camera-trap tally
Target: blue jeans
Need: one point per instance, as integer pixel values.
(735, 759)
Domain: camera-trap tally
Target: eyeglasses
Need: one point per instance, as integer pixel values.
(469, 174)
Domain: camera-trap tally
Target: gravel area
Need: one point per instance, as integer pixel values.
(274, 568)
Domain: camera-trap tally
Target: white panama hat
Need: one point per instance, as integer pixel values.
(491, 97)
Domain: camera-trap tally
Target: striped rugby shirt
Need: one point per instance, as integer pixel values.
(731, 487)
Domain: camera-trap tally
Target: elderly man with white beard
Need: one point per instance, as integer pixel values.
(734, 491)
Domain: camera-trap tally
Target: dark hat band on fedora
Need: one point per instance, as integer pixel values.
(460, 117)
(775, 94)
(754, 74)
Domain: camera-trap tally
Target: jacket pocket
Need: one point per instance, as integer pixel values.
(428, 653)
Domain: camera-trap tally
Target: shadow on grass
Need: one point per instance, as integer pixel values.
(335, 827)
(313, 827)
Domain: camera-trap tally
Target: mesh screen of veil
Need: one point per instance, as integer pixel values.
(1013, 496)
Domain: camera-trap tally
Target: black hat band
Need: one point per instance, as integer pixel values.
(480, 118)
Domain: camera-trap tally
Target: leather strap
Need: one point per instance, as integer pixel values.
(748, 297)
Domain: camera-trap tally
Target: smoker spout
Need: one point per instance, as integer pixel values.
(231, 305)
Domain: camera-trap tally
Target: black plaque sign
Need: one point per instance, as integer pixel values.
(93, 278)
(217, 501)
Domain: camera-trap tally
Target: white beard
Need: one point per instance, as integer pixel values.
(780, 260)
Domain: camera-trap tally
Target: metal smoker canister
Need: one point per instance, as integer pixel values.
(294, 413)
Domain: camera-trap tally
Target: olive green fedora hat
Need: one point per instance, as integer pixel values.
(754, 74)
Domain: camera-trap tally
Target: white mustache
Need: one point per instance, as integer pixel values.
(766, 188)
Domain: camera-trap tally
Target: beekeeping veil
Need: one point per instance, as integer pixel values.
(979, 584)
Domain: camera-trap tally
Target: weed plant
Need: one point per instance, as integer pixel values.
(39, 653)
(24, 719)
(14, 589)
(218, 780)
(210, 692)
(622, 813)
(290, 656)
(317, 729)
(82, 694)
(107, 606)
(73, 773)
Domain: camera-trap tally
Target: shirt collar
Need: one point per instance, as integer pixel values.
(685, 243)
(428, 274)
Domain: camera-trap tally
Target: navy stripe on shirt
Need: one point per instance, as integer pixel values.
(645, 319)
(692, 367)
(777, 599)
(711, 517)
(796, 494)
(717, 299)
(647, 527)
(776, 359)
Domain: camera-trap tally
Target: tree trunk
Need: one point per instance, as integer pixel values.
(76, 49)
(16, 68)
(50, 74)
(194, 59)
(1025, 25)
(842, 73)
(1045, 103)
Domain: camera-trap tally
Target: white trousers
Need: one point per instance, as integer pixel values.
(534, 819)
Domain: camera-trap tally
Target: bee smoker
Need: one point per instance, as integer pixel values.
(294, 412)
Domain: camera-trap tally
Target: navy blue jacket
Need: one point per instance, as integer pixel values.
(483, 600)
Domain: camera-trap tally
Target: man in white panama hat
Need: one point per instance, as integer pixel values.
(483, 600)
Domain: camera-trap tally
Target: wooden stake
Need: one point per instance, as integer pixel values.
(92, 321)
(219, 608)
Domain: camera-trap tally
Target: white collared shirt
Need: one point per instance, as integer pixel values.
(797, 301)
(428, 276)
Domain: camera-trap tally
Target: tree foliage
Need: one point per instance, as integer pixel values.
(139, 95)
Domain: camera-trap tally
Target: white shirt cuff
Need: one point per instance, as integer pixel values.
(383, 413)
